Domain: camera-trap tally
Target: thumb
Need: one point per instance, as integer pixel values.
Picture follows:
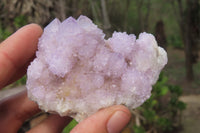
(109, 120)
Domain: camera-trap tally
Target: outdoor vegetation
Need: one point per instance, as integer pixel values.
(175, 24)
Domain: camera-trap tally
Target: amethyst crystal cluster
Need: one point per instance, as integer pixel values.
(77, 71)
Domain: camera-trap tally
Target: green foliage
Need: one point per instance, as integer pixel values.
(20, 21)
(21, 81)
(164, 123)
(175, 41)
(70, 126)
(161, 111)
(4, 33)
(138, 129)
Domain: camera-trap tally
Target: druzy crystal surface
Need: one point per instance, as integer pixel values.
(77, 72)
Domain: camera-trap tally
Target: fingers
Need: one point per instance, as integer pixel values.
(18, 108)
(14, 111)
(53, 124)
(109, 120)
(17, 50)
(20, 72)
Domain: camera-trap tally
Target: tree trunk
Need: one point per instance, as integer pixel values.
(106, 21)
(188, 58)
(143, 17)
(188, 22)
(62, 9)
(140, 18)
(160, 34)
(126, 15)
(191, 36)
(146, 19)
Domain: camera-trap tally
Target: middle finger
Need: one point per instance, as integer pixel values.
(16, 109)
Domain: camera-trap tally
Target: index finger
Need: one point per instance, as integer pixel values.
(17, 51)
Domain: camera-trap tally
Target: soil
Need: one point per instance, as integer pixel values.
(175, 71)
(191, 116)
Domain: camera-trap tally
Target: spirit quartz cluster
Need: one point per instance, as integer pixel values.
(77, 71)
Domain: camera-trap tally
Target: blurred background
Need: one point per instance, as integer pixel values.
(175, 102)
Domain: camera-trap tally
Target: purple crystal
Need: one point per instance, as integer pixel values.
(77, 71)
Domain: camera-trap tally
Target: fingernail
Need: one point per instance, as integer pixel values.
(117, 122)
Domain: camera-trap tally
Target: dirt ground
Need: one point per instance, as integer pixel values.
(191, 116)
(175, 71)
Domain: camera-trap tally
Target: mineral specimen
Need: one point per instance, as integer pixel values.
(77, 71)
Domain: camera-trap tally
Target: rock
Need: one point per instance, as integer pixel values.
(77, 72)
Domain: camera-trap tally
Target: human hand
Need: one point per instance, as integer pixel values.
(16, 52)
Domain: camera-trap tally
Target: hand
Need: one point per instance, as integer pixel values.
(16, 52)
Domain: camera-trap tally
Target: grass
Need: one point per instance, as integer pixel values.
(70, 126)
